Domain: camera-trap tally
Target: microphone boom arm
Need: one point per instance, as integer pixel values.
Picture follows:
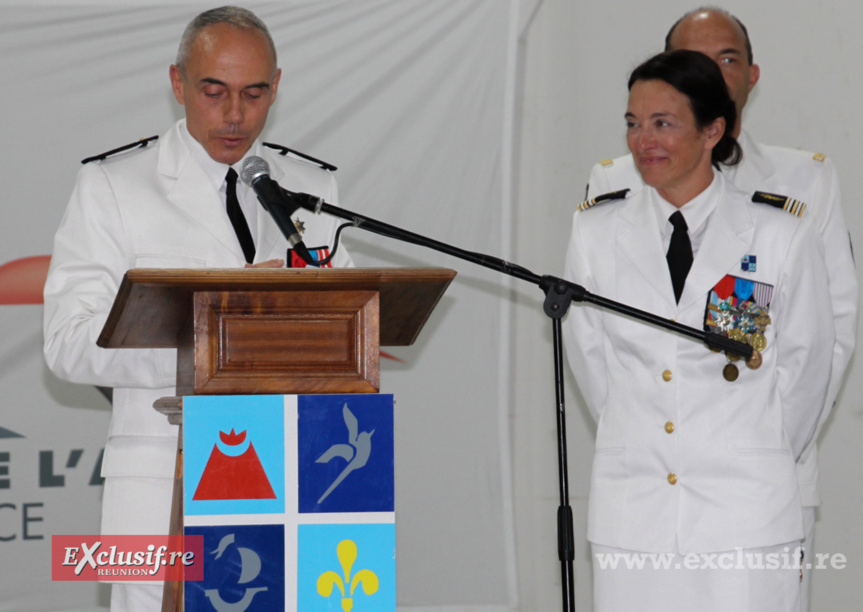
(559, 292)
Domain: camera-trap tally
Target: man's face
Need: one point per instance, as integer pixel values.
(720, 38)
(228, 85)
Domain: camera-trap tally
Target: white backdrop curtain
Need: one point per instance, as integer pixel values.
(413, 100)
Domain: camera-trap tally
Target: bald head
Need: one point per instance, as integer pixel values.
(707, 12)
(241, 18)
(724, 39)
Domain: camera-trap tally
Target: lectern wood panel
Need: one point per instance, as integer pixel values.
(281, 343)
(153, 306)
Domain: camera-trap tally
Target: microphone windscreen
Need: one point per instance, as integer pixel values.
(254, 167)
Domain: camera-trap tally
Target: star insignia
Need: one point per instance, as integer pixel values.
(301, 227)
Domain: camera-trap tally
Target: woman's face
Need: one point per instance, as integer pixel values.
(671, 152)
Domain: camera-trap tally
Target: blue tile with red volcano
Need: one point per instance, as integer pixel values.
(234, 454)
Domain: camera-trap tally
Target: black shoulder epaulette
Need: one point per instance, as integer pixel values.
(795, 207)
(138, 143)
(606, 197)
(285, 151)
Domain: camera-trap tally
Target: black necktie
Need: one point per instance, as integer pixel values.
(238, 219)
(679, 254)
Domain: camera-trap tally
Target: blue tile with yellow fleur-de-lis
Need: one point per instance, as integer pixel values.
(346, 567)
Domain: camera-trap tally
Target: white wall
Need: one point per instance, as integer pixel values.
(577, 59)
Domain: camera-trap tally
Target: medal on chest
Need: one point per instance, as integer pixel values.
(739, 309)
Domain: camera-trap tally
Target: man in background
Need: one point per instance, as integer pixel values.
(797, 176)
(172, 204)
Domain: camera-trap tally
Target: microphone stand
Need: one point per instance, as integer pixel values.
(559, 294)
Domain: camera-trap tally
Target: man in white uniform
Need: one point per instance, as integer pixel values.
(799, 176)
(166, 206)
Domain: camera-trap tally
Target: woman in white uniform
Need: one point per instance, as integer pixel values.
(694, 502)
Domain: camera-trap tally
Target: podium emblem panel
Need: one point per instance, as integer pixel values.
(312, 476)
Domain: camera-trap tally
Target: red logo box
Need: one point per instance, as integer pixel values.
(127, 558)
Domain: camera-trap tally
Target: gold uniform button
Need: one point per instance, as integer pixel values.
(672, 478)
(669, 427)
(666, 376)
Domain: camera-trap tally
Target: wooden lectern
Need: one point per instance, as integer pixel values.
(269, 331)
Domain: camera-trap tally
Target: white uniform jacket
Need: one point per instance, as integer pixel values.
(661, 402)
(813, 180)
(150, 208)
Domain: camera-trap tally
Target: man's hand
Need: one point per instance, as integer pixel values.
(270, 263)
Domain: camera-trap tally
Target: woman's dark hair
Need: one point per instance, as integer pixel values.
(698, 78)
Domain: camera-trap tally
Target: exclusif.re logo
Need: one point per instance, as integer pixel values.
(110, 558)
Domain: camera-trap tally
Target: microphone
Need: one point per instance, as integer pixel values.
(256, 174)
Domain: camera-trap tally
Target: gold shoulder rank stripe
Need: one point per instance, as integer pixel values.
(606, 162)
(103, 156)
(606, 197)
(795, 207)
(819, 157)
